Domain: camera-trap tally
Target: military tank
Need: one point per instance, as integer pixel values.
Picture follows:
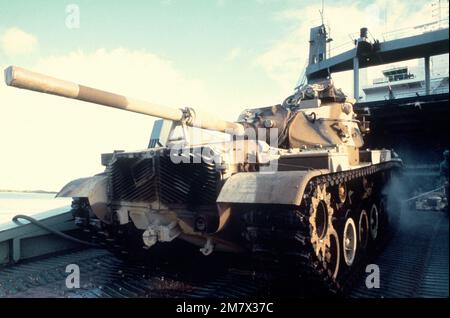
(289, 183)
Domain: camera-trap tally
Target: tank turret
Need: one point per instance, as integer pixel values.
(316, 115)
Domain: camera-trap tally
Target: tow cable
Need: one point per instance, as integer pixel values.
(424, 194)
(38, 223)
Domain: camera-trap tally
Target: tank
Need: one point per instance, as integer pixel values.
(288, 183)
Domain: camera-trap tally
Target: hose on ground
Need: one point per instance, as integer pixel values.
(32, 220)
(424, 194)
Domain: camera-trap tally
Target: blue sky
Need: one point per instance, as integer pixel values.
(196, 35)
(217, 55)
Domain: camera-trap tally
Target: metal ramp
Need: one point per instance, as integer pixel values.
(413, 264)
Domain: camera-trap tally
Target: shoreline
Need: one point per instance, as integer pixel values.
(28, 191)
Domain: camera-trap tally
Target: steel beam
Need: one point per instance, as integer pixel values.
(427, 75)
(356, 78)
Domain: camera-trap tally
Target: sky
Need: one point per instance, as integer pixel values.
(220, 56)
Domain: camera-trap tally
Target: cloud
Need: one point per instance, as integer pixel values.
(17, 42)
(234, 54)
(285, 59)
(51, 140)
(47, 141)
(263, 2)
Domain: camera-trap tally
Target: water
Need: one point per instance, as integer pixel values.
(12, 203)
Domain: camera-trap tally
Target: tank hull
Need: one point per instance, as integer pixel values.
(290, 181)
(298, 216)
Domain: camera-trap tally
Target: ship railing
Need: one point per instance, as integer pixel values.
(418, 93)
(391, 35)
(416, 30)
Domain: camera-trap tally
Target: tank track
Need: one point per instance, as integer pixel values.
(414, 265)
(110, 237)
(124, 241)
(284, 234)
(288, 234)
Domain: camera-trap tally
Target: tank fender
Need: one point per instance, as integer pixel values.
(95, 189)
(282, 187)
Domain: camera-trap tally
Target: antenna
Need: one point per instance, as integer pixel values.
(385, 17)
(436, 10)
(322, 11)
(327, 32)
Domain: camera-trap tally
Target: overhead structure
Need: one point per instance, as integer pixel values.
(369, 52)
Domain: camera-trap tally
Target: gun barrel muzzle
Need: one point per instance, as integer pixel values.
(25, 79)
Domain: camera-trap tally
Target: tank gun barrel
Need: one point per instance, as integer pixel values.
(25, 79)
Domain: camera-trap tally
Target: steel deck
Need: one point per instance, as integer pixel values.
(414, 264)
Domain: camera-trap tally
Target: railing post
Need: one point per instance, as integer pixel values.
(356, 78)
(427, 75)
